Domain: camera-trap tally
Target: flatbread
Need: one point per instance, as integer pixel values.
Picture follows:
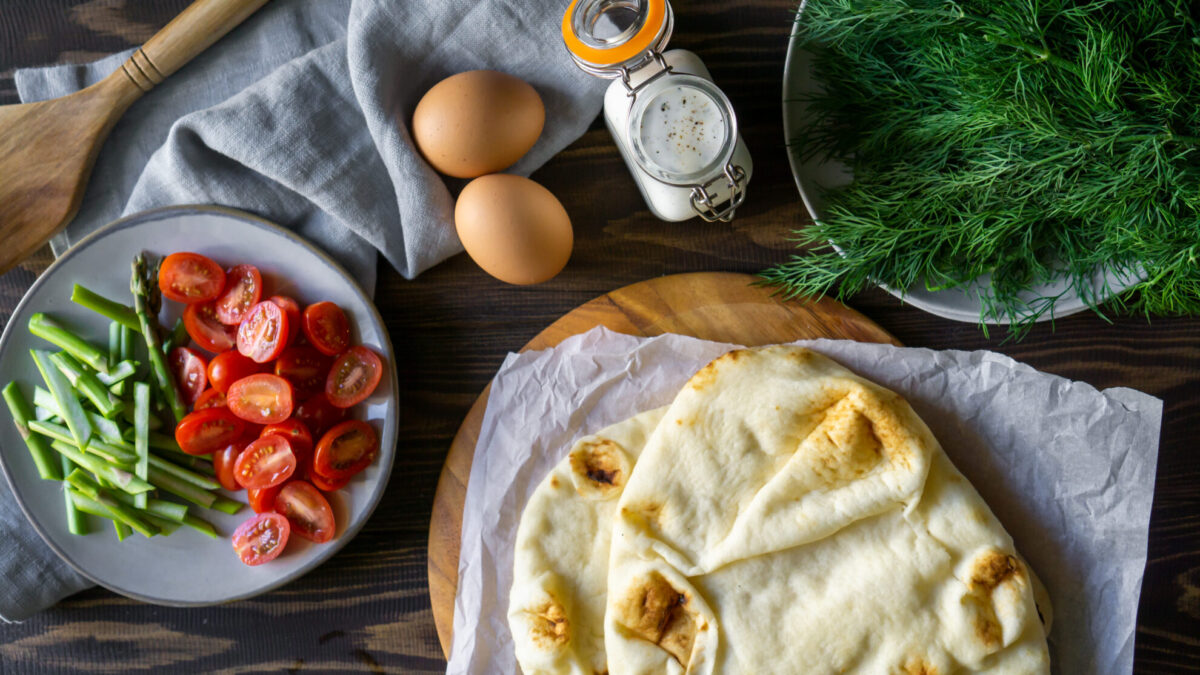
(788, 516)
(557, 601)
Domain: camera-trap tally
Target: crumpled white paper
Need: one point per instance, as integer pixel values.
(1068, 469)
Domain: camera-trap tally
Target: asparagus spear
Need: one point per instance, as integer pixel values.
(64, 396)
(51, 331)
(141, 444)
(200, 481)
(201, 525)
(113, 453)
(146, 302)
(120, 512)
(122, 479)
(178, 337)
(87, 384)
(122, 314)
(22, 415)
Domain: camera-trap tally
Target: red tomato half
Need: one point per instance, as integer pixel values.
(328, 484)
(318, 414)
(202, 326)
(305, 367)
(261, 539)
(307, 511)
(188, 367)
(353, 377)
(345, 450)
(263, 334)
(292, 309)
(223, 461)
(260, 399)
(205, 431)
(327, 328)
(190, 278)
(299, 437)
(263, 500)
(211, 398)
(229, 367)
(243, 289)
(264, 463)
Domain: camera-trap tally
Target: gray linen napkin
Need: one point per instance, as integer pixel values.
(300, 116)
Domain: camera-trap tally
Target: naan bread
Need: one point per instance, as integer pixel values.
(787, 516)
(557, 601)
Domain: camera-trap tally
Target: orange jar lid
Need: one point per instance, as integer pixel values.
(593, 51)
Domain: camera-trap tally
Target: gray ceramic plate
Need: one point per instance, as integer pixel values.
(188, 568)
(817, 175)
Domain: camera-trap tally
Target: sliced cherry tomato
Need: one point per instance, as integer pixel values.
(223, 461)
(229, 367)
(292, 309)
(297, 434)
(263, 499)
(243, 289)
(261, 399)
(202, 326)
(261, 539)
(188, 367)
(263, 335)
(345, 450)
(266, 462)
(190, 278)
(353, 377)
(305, 367)
(307, 511)
(327, 328)
(318, 414)
(328, 484)
(211, 398)
(205, 431)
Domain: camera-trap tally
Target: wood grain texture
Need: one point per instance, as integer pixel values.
(368, 608)
(718, 306)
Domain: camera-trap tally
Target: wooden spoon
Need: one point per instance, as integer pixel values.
(47, 148)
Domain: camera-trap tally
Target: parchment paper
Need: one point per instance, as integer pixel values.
(1068, 469)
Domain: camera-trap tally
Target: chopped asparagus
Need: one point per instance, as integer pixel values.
(51, 331)
(141, 431)
(86, 383)
(120, 512)
(123, 480)
(146, 300)
(122, 314)
(47, 465)
(64, 398)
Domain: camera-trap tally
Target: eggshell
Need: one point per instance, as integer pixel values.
(514, 228)
(477, 122)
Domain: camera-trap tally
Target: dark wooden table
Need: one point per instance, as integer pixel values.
(368, 608)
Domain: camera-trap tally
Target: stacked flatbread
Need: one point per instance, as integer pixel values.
(782, 515)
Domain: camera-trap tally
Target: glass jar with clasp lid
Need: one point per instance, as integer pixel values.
(674, 127)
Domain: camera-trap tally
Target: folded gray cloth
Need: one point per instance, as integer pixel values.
(300, 115)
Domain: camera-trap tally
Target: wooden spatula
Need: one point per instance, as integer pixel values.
(47, 148)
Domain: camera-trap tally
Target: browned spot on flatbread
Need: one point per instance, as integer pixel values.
(843, 446)
(992, 569)
(708, 374)
(548, 625)
(602, 463)
(554, 481)
(917, 665)
(655, 611)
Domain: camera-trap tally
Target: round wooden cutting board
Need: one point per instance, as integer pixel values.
(716, 306)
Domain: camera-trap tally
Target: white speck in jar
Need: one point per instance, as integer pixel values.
(682, 130)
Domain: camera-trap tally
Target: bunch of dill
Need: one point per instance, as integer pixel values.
(1021, 139)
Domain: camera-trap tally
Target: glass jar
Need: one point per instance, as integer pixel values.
(675, 129)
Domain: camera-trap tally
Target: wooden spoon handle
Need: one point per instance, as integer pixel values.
(201, 24)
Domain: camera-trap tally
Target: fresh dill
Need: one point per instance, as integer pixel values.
(1005, 143)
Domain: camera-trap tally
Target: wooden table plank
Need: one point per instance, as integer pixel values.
(367, 609)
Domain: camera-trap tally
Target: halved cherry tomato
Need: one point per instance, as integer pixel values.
(190, 278)
(188, 367)
(243, 289)
(345, 450)
(292, 309)
(328, 484)
(261, 398)
(263, 335)
(327, 328)
(211, 398)
(318, 414)
(223, 461)
(353, 377)
(305, 367)
(307, 511)
(265, 462)
(205, 431)
(202, 326)
(263, 499)
(229, 367)
(261, 539)
(297, 434)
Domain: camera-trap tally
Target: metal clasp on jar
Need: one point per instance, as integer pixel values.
(631, 90)
(735, 180)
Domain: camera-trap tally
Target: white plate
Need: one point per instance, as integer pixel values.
(816, 174)
(188, 568)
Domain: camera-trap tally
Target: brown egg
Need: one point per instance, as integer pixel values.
(477, 122)
(514, 228)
